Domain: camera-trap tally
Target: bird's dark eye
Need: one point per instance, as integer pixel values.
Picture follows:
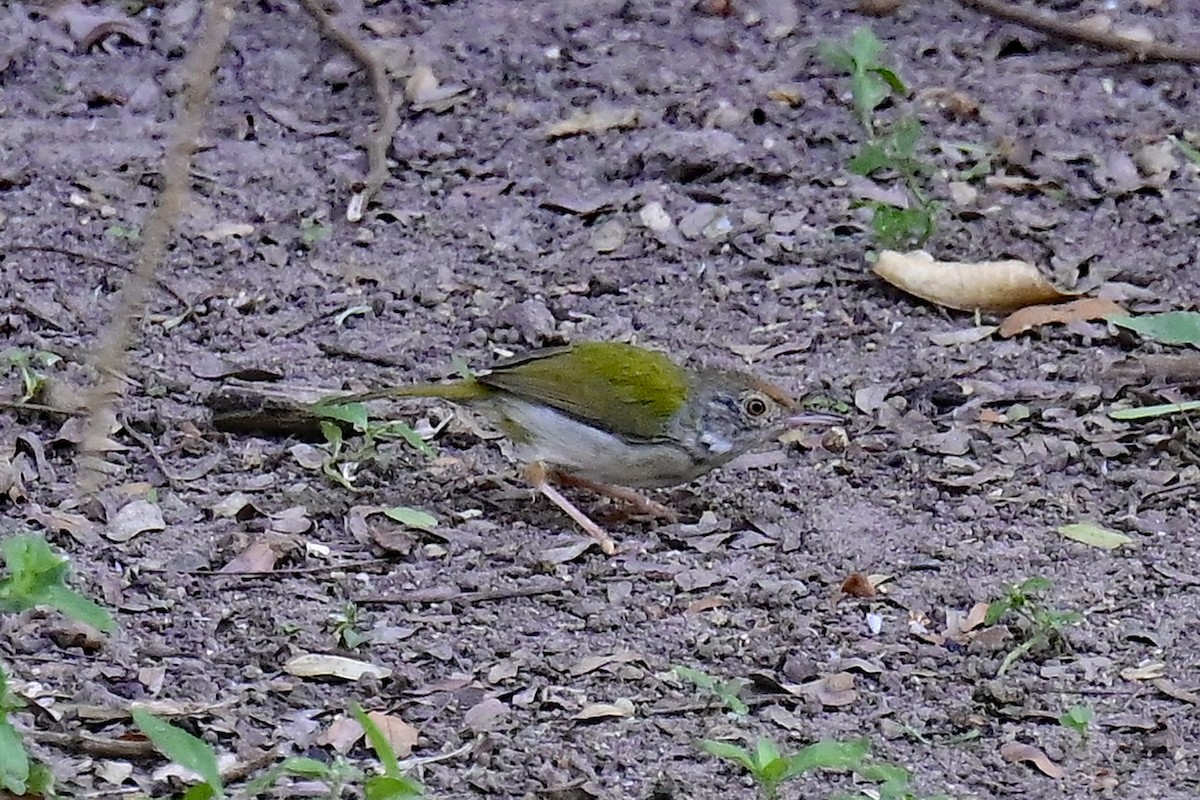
(755, 406)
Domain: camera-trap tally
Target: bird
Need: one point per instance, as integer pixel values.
(614, 417)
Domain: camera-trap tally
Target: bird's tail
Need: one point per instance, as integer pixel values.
(457, 391)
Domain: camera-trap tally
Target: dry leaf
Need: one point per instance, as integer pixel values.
(1144, 672)
(1081, 310)
(319, 665)
(1012, 752)
(483, 715)
(592, 663)
(400, 735)
(999, 286)
(134, 518)
(835, 690)
(228, 230)
(858, 584)
(620, 709)
(705, 604)
(341, 734)
(596, 121)
(258, 557)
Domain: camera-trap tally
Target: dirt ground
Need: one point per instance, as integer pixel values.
(530, 668)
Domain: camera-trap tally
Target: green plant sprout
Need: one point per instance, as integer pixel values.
(33, 381)
(894, 151)
(200, 757)
(337, 465)
(770, 768)
(345, 627)
(1043, 626)
(728, 692)
(36, 576)
(1078, 719)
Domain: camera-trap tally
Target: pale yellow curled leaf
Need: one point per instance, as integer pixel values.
(999, 286)
(320, 665)
(594, 121)
(1089, 533)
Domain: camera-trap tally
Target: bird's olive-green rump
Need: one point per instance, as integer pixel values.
(624, 389)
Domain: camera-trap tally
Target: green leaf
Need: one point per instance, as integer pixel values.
(905, 136)
(893, 80)
(1185, 148)
(828, 755)
(401, 430)
(353, 413)
(14, 763)
(1077, 718)
(379, 743)
(201, 791)
(296, 765)
(1170, 327)
(996, 610)
(836, 56)
(181, 747)
(766, 752)
(1146, 412)
(701, 679)
(37, 576)
(413, 518)
(865, 48)
(387, 787)
(1094, 535)
(81, 608)
(900, 227)
(333, 435)
(1034, 585)
(870, 158)
(730, 752)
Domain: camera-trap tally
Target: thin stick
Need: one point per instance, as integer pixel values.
(467, 598)
(199, 71)
(1080, 34)
(381, 87)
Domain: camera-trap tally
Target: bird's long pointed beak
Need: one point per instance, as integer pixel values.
(817, 418)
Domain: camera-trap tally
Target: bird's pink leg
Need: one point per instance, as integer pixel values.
(537, 475)
(638, 500)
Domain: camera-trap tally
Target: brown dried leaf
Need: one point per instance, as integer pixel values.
(1082, 310)
(999, 286)
(620, 709)
(592, 663)
(858, 584)
(705, 604)
(483, 715)
(835, 690)
(1013, 752)
(400, 735)
(134, 518)
(258, 557)
(341, 734)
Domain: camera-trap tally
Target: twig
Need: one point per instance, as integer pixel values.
(40, 408)
(150, 448)
(281, 573)
(381, 86)
(1080, 34)
(199, 71)
(469, 598)
(98, 746)
(107, 262)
